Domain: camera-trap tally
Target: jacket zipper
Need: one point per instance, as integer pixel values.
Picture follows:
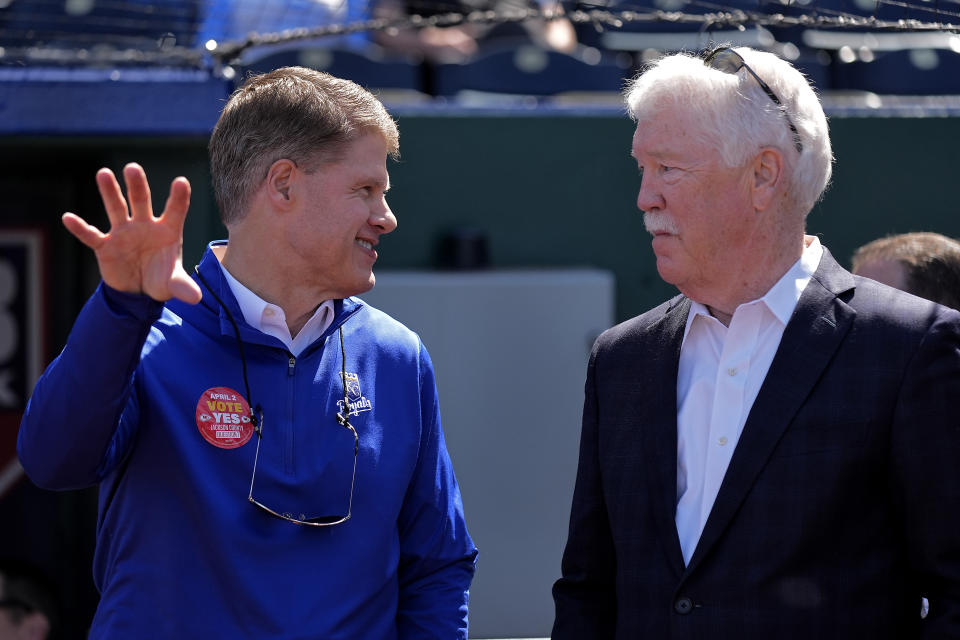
(291, 387)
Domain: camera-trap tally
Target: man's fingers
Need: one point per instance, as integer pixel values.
(184, 288)
(112, 197)
(177, 204)
(177, 284)
(138, 192)
(85, 233)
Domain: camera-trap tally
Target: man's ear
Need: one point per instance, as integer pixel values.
(279, 183)
(768, 178)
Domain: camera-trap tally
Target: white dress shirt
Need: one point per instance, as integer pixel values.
(270, 319)
(720, 373)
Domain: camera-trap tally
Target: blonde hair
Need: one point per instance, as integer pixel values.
(303, 115)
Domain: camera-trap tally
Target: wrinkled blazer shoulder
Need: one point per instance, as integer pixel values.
(662, 325)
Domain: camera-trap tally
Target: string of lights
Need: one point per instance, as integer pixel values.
(704, 18)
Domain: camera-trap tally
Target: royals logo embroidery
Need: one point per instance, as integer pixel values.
(356, 401)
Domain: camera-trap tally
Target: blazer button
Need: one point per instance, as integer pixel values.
(683, 606)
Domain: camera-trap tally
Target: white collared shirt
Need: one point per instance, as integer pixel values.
(270, 319)
(721, 370)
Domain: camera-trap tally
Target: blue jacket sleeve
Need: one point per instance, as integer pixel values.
(437, 556)
(81, 416)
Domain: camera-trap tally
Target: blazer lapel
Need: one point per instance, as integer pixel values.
(658, 408)
(815, 331)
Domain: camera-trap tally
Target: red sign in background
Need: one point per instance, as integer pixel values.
(21, 338)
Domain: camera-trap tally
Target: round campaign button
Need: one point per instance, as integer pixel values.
(223, 418)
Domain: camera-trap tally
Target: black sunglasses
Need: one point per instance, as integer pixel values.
(729, 61)
(317, 521)
(256, 419)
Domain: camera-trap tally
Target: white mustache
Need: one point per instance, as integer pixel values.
(659, 223)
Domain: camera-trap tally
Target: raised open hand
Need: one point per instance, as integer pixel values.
(140, 253)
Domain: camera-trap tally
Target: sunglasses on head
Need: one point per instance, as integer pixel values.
(729, 61)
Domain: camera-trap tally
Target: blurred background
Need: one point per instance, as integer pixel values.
(518, 242)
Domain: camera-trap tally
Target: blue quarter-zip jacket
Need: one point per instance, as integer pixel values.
(181, 553)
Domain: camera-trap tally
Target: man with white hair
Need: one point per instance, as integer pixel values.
(772, 453)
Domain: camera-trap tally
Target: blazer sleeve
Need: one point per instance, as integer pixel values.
(585, 595)
(925, 456)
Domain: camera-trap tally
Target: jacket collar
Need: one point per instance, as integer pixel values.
(219, 305)
(658, 417)
(815, 331)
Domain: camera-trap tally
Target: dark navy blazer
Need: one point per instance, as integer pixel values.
(841, 504)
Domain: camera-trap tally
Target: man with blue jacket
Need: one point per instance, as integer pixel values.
(268, 448)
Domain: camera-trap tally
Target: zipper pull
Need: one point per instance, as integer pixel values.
(291, 365)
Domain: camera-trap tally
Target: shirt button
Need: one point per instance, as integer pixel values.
(722, 440)
(683, 606)
(732, 371)
(268, 312)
